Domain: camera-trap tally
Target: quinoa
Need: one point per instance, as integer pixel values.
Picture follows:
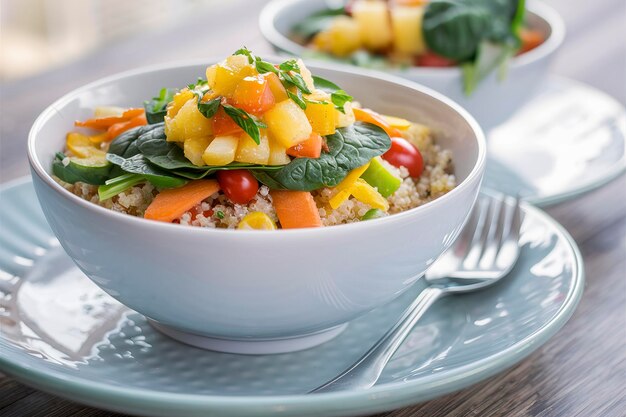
(218, 211)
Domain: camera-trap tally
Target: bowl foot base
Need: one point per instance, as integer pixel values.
(251, 346)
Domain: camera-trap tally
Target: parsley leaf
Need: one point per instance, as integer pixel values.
(339, 99)
(245, 51)
(245, 121)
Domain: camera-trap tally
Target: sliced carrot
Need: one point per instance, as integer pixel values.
(530, 39)
(310, 148)
(370, 116)
(172, 203)
(115, 130)
(104, 123)
(296, 209)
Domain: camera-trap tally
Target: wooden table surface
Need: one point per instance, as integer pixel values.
(580, 372)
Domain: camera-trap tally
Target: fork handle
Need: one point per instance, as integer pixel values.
(365, 372)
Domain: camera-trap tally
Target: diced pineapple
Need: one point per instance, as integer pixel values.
(194, 149)
(188, 123)
(278, 154)
(306, 75)
(288, 123)
(179, 101)
(341, 38)
(408, 37)
(221, 150)
(248, 151)
(276, 87)
(347, 118)
(372, 17)
(223, 77)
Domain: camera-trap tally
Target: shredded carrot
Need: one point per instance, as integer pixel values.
(115, 130)
(296, 209)
(370, 116)
(172, 203)
(104, 123)
(310, 148)
(530, 39)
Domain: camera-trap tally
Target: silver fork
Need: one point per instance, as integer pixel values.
(485, 252)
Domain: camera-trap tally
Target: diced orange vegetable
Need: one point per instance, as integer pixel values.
(278, 90)
(296, 209)
(172, 203)
(223, 124)
(370, 116)
(104, 123)
(530, 39)
(310, 148)
(99, 138)
(253, 95)
(118, 128)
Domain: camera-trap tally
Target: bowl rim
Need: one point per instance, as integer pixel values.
(541, 10)
(37, 168)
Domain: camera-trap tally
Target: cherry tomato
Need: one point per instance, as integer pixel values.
(404, 153)
(431, 59)
(238, 184)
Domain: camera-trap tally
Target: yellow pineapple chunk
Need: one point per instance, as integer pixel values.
(188, 123)
(408, 37)
(276, 87)
(321, 115)
(306, 75)
(249, 152)
(288, 123)
(278, 154)
(372, 17)
(221, 150)
(194, 149)
(341, 38)
(224, 77)
(347, 118)
(179, 100)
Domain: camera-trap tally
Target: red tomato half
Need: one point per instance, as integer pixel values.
(238, 184)
(404, 153)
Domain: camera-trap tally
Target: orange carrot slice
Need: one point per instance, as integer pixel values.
(118, 128)
(370, 116)
(172, 203)
(104, 123)
(310, 148)
(296, 209)
(530, 39)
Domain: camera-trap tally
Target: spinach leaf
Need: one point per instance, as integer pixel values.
(125, 144)
(209, 170)
(138, 164)
(348, 148)
(156, 108)
(314, 23)
(245, 121)
(74, 172)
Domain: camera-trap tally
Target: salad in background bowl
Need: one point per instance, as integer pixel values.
(242, 291)
(489, 56)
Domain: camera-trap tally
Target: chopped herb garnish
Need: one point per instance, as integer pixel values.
(209, 108)
(297, 97)
(339, 99)
(219, 214)
(245, 121)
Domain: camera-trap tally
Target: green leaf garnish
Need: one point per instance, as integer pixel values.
(339, 99)
(209, 108)
(245, 121)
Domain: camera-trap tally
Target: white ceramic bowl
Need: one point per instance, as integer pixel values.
(247, 291)
(493, 101)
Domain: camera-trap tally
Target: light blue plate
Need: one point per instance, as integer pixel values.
(567, 140)
(61, 334)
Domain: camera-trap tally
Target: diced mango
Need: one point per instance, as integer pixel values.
(346, 118)
(341, 38)
(406, 23)
(288, 123)
(278, 154)
(248, 151)
(188, 123)
(221, 150)
(322, 117)
(372, 17)
(224, 77)
(194, 149)
(367, 194)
